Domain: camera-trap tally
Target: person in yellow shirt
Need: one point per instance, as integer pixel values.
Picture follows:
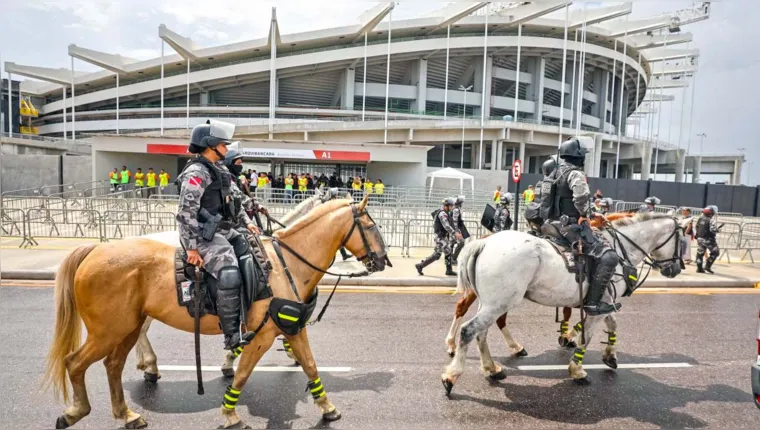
(139, 181)
(289, 181)
(151, 177)
(380, 190)
(163, 180)
(356, 186)
(303, 183)
(497, 194)
(368, 186)
(528, 195)
(114, 178)
(124, 176)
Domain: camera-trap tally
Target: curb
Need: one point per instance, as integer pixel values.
(429, 281)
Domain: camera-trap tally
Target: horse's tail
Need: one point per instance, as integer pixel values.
(467, 260)
(68, 325)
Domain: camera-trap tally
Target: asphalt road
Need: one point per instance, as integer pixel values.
(393, 347)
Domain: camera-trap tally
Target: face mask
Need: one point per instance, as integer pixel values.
(236, 169)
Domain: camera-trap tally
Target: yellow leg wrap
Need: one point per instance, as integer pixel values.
(563, 327)
(578, 327)
(316, 388)
(237, 351)
(578, 355)
(611, 338)
(231, 397)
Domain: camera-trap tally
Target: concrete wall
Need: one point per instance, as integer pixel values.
(77, 169)
(106, 161)
(398, 174)
(25, 171)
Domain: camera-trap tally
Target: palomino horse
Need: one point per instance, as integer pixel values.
(147, 361)
(566, 336)
(538, 273)
(113, 287)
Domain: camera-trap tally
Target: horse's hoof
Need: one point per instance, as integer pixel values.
(521, 353)
(498, 376)
(139, 423)
(571, 344)
(331, 416)
(448, 386)
(296, 363)
(151, 377)
(228, 373)
(582, 381)
(610, 361)
(61, 423)
(451, 354)
(237, 425)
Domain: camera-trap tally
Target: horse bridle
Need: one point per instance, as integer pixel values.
(654, 263)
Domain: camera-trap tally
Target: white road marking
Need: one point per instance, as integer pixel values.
(172, 367)
(602, 366)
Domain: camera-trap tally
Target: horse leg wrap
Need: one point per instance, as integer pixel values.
(578, 355)
(286, 345)
(237, 351)
(611, 338)
(231, 397)
(316, 388)
(578, 327)
(563, 326)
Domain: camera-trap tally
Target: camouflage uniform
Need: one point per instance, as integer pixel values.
(218, 252)
(444, 239)
(707, 230)
(501, 218)
(458, 244)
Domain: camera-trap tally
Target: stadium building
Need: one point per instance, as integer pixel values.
(472, 86)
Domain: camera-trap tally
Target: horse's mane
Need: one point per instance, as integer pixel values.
(638, 218)
(312, 216)
(300, 210)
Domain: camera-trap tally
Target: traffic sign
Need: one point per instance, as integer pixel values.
(516, 171)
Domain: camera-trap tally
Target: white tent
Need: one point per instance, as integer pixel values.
(449, 173)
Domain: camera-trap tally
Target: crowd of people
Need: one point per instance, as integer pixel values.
(253, 182)
(150, 181)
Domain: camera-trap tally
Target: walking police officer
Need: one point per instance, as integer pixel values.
(457, 220)
(445, 234)
(707, 231)
(570, 209)
(502, 220)
(205, 220)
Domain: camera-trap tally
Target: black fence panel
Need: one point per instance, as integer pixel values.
(720, 195)
(526, 180)
(667, 192)
(743, 200)
(608, 187)
(630, 190)
(691, 195)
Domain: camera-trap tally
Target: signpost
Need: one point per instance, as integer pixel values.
(516, 175)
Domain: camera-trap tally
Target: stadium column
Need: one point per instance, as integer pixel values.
(601, 80)
(696, 169)
(73, 108)
(535, 90)
(347, 98)
(479, 87)
(736, 178)
(273, 71)
(646, 160)
(494, 158)
(680, 165)
(419, 78)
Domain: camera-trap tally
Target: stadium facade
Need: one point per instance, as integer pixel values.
(472, 86)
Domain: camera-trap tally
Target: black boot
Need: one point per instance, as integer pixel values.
(450, 272)
(604, 272)
(426, 262)
(708, 266)
(699, 265)
(457, 250)
(344, 254)
(228, 308)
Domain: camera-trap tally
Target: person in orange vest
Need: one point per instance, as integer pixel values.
(497, 194)
(151, 177)
(139, 181)
(114, 178)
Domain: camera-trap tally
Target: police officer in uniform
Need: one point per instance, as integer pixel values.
(243, 202)
(649, 204)
(707, 230)
(445, 234)
(543, 187)
(502, 220)
(458, 222)
(206, 219)
(570, 209)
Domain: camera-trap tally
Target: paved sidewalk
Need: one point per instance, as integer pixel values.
(42, 261)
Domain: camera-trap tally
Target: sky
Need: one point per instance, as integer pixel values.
(38, 33)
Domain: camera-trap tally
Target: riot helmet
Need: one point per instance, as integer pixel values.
(210, 135)
(652, 201)
(710, 210)
(573, 149)
(229, 161)
(459, 201)
(505, 200)
(549, 166)
(448, 201)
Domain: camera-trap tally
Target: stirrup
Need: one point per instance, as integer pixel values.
(601, 308)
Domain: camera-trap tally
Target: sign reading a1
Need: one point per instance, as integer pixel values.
(516, 171)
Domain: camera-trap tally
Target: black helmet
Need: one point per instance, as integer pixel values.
(210, 134)
(229, 161)
(710, 210)
(572, 148)
(505, 200)
(448, 201)
(549, 166)
(459, 201)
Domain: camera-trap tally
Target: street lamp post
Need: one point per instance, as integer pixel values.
(464, 112)
(701, 141)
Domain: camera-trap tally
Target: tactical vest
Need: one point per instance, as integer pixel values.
(703, 228)
(217, 197)
(563, 195)
(437, 225)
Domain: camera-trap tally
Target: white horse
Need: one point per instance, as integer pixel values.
(507, 267)
(146, 357)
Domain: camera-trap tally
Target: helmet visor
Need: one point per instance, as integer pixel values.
(222, 130)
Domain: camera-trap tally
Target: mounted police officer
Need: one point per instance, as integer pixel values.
(570, 207)
(233, 161)
(650, 203)
(502, 219)
(542, 190)
(707, 233)
(332, 194)
(445, 234)
(458, 222)
(206, 218)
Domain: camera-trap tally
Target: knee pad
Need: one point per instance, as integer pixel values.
(239, 245)
(436, 255)
(229, 278)
(609, 259)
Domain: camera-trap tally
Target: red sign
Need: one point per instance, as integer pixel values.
(516, 171)
(300, 154)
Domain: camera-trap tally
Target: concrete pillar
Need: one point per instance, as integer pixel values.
(494, 144)
(419, 78)
(610, 168)
(737, 176)
(499, 154)
(478, 87)
(646, 161)
(593, 164)
(523, 156)
(474, 152)
(601, 80)
(348, 86)
(535, 90)
(204, 98)
(696, 169)
(680, 165)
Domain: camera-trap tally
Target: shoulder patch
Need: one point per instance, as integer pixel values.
(194, 181)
